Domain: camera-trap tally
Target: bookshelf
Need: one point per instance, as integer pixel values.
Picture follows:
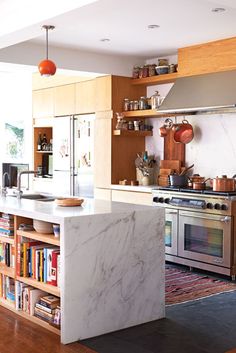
(10, 281)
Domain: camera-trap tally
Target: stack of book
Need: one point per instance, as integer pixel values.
(7, 225)
(39, 261)
(47, 307)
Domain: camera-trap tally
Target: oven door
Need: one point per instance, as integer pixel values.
(205, 238)
(171, 229)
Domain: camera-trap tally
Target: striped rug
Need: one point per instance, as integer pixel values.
(183, 285)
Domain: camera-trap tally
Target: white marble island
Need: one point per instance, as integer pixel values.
(112, 263)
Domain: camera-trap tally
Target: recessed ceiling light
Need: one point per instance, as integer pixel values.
(105, 40)
(153, 26)
(218, 9)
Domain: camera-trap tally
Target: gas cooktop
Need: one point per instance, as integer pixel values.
(207, 191)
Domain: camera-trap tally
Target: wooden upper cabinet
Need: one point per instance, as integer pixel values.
(43, 103)
(64, 100)
(103, 93)
(85, 97)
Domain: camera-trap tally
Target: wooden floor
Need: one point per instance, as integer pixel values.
(18, 335)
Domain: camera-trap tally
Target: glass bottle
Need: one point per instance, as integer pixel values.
(119, 117)
(39, 143)
(126, 104)
(44, 143)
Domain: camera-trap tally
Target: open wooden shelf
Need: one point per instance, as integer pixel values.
(8, 240)
(50, 152)
(149, 113)
(45, 238)
(7, 271)
(10, 306)
(132, 133)
(156, 80)
(41, 285)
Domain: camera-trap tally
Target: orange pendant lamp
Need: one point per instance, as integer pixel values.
(47, 67)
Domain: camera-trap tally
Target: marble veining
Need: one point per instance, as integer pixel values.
(114, 267)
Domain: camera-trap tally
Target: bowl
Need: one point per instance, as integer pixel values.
(160, 70)
(42, 226)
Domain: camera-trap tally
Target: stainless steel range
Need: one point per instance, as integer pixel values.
(199, 229)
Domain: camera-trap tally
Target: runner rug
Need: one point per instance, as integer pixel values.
(183, 285)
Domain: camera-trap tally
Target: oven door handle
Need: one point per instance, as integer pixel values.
(171, 212)
(224, 219)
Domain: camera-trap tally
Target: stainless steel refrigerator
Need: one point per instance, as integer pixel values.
(73, 155)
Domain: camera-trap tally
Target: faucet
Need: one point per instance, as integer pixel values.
(19, 192)
(4, 188)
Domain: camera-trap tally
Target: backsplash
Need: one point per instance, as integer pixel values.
(213, 149)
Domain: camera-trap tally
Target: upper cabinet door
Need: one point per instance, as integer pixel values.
(85, 97)
(64, 103)
(43, 103)
(103, 93)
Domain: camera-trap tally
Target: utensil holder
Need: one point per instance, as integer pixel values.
(145, 180)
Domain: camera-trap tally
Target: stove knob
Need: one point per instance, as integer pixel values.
(161, 199)
(224, 207)
(167, 200)
(217, 206)
(209, 205)
(155, 199)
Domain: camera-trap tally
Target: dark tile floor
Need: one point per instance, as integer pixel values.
(202, 326)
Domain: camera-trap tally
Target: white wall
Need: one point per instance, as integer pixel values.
(213, 149)
(16, 106)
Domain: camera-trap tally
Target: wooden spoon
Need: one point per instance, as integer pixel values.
(186, 169)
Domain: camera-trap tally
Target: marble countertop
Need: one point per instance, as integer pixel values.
(138, 188)
(49, 211)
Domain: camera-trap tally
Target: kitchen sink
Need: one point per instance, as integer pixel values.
(38, 197)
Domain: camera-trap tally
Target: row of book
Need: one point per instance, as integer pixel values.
(39, 261)
(7, 225)
(38, 303)
(7, 254)
(33, 301)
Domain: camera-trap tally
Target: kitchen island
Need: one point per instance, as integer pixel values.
(112, 263)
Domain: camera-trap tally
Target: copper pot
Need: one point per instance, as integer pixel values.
(200, 185)
(196, 178)
(223, 184)
(183, 132)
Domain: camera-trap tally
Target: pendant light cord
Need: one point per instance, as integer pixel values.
(47, 43)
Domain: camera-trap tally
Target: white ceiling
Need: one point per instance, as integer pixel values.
(80, 24)
(182, 23)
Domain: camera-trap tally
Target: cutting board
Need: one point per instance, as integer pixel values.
(170, 164)
(173, 150)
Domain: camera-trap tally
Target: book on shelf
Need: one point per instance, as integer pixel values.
(7, 288)
(8, 216)
(7, 254)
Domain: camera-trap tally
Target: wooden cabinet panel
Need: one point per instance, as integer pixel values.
(85, 97)
(103, 99)
(139, 198)
(209, 57)
(102, 194)
(43, 103)
(102, 153)
(64, 103)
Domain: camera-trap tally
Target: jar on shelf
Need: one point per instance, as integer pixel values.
(156, 100)
(131, 105)
(135, 73)
(142, 103)
(151, 70)
(126, 104)
(130, 125)
(135, 105)
(140, 72)
(145, 71)
(136, 125)
(124, 125)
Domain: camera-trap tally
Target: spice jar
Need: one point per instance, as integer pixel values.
(119, 124)
(140, 72)
(136, 125)
(126, 104)
(145, 71)
(124, 125)
(142, 103)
